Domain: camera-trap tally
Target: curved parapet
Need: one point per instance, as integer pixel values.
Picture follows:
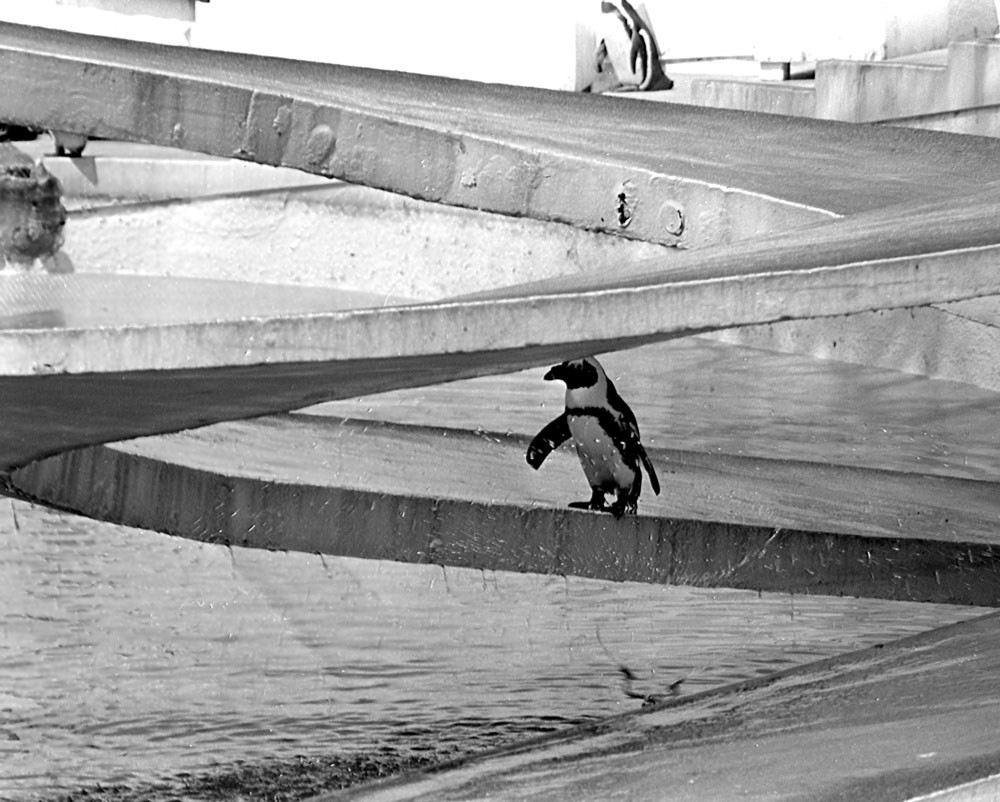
(658, 172)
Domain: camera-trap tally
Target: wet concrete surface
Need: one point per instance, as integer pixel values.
(273, 780)
(894, 723)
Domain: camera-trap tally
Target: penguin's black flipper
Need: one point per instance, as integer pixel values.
(553, 435)
(649, 469)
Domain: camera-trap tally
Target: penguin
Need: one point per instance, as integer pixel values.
(606, 436)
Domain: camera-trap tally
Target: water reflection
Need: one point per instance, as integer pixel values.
(127, 655)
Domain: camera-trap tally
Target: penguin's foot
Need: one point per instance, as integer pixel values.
(597, 502)
(590, 505)
(623, 507)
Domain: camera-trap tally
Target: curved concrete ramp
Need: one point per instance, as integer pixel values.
(183, 375)
(657, 172)
(778, 473)
(885, 233)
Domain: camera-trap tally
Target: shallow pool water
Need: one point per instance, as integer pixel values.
(127, 656)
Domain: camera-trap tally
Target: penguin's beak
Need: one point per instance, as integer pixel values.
(553, 373)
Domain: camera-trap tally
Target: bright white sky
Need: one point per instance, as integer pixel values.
(524, 41)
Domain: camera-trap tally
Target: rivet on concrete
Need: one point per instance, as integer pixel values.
(320, 143)
(177, 135)
(670, 219)
(283, 120)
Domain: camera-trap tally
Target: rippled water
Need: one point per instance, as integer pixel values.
(127, 655)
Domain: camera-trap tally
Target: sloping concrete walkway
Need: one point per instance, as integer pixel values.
(896, 722)
(779, 472)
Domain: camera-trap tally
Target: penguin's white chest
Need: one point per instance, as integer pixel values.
(601, 460)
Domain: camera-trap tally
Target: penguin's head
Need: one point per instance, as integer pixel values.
(577, 373)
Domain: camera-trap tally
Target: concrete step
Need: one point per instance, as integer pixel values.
(871, 91)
